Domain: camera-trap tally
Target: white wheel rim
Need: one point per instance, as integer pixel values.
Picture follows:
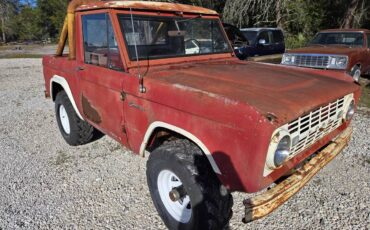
(356, 75)
(180, 210)
(63, 116)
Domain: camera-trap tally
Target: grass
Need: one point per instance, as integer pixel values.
(23, 46)
(12, 56)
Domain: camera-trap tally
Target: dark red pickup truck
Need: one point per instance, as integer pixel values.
(345, 50)
(162, 79)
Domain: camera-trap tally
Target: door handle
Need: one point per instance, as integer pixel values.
(80, 68)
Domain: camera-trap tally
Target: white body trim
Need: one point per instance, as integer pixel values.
(63, 82)
(183, 132)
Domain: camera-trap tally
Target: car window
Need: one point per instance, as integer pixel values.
(265, 36)
(100, 44)
(251, 36)
(354, 39)
(368, 40)
(156, 37)
(278, 36)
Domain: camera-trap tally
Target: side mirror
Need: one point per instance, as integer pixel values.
(262, 42)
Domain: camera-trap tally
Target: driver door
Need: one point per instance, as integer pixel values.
(264, 49)
(101, 76)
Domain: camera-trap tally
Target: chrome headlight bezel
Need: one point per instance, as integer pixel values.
(338, 62)
(288, 59)
(350, 112)
(279, 149)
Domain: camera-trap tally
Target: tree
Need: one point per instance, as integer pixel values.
(355, 13)
(52, 14)
(249, 12)
(26, 29)
(7, 10)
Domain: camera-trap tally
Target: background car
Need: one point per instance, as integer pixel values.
(336, 49)
(263, 41)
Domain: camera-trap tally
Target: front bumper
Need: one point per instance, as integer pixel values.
(263, 204)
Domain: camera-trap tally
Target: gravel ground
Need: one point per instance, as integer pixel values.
(44, 183)
(22, 49)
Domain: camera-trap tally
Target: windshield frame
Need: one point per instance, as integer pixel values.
(169, 59)
(340, 32)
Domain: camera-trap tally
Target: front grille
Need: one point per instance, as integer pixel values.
(306, 130)
(313, 61)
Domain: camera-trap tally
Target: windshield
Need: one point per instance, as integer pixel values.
(347, 39)
(163, 37)
(251, 36)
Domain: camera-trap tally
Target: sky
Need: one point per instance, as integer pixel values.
(31, 2)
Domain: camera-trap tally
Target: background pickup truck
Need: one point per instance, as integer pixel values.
(211, 123)
(346, 50)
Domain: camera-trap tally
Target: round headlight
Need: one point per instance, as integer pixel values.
(350, 111)
(282, 151)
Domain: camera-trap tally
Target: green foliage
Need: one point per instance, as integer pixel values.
(295, 41)
(26, 29)
(303, 16)
(52, 14)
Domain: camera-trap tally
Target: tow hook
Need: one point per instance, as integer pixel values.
(177, 193)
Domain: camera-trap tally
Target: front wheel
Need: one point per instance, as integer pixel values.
(185, 191)
(356, 73)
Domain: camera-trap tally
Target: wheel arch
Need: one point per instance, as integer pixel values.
(58, 83)
(357, 64)
(159, 125)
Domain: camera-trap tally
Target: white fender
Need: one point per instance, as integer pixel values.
(183, 132)
(63, 82)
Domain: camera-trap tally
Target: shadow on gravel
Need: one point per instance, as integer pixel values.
(97, 135)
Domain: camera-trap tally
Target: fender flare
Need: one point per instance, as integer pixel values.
(160, 124)
(63, 82)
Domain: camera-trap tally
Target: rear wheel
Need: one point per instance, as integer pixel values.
(74, 130)
(185, 191)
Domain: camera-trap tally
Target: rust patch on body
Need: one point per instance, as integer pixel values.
(144, 5)
(90, 112)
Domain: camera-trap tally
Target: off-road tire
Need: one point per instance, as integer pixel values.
(80, 131)
(211, 203)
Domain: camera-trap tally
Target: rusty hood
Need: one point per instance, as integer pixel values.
(281, 91)
(331, 49)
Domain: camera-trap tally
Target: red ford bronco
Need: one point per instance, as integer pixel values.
(162, 79)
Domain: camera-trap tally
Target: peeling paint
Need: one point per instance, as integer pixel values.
(90, 112)
(152, 6)
(226, 100)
